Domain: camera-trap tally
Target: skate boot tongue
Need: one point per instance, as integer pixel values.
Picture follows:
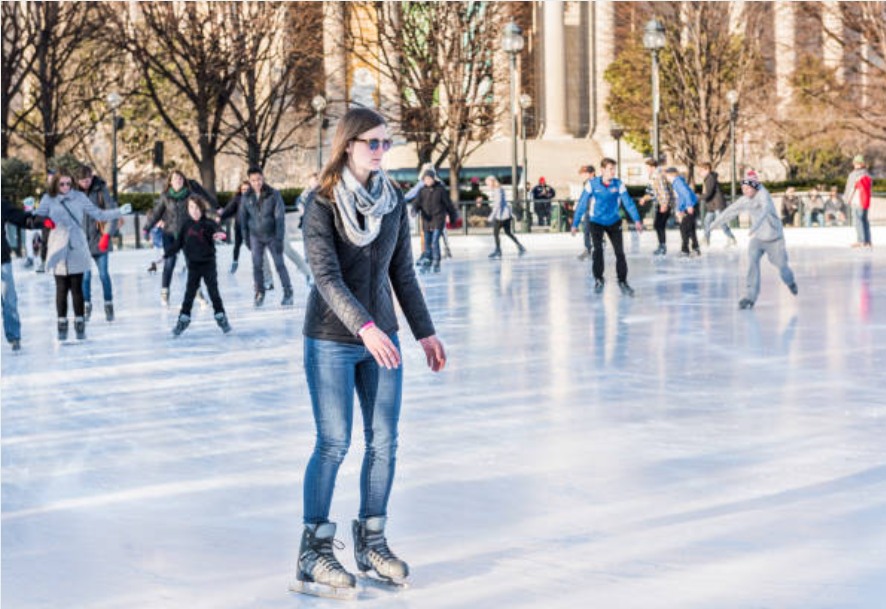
(376, 524)
(325, 530)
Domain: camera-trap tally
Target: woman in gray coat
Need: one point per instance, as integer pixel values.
(67, 255)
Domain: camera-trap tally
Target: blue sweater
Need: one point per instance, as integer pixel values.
(685, 197)
(606, 200)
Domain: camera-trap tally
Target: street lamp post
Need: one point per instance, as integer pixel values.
(732, 97)
(512, 43)
(525, 104)
(654, 41)
(114, 100)
(617, 132)
(319, 105)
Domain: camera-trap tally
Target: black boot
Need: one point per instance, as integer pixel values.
(80, 328)
(319, 572)
(287, 297)
(495, 255)
(626, 289)
(16, 344)
(794, 289)
(746, 303)
(598, 285)
(183, 322)
(234, 266)
(372, 553)
(222, 320)
(63, 329)
(259, 299)
(109, 311)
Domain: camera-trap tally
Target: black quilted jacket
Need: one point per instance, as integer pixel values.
(353, 284)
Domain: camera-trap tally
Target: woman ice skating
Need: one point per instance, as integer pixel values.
(766, 234)
(358, 245)
(172, 210)
(67, 255)
(99, 236)
(500, 216)
(608, 193)
(197, 238)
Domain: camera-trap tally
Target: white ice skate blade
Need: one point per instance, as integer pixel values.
(382, 583)
(323, 591)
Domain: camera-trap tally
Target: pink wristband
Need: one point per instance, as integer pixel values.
(368, 324)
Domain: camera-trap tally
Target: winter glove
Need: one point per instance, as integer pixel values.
(219, 236)
(125, 209)
(48, 223)
(104, 242)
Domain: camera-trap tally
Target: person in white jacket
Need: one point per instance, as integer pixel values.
(766, 235)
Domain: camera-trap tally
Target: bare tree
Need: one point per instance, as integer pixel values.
(857, 95)
(438, 59)
(190, 56)
(67, 83)
(19, 38)
(274, 88)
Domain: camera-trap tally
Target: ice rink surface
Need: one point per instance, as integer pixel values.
(666, 451)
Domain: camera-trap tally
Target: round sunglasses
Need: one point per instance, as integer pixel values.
(375, 143)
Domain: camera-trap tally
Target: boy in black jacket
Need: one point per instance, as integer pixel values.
(197, 239)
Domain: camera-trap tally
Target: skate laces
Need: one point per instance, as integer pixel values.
(324, 556)
(377, 543)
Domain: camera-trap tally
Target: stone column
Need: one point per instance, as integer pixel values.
(785, 50)
(832, 51)
(602, 51)
(555, 71)
(335, 64)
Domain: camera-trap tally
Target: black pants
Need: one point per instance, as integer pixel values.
(497, 225)
(168, 261)
(543, 211)
(44, 243)
(207, 272)
(687, 232)
(661, 223)
(614, 233)
(258, 248)
(238, 240)
(74, 285)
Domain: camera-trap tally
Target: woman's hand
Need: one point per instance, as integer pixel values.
(219, 236)
(125, 209)
(381, 347)
(434, 352)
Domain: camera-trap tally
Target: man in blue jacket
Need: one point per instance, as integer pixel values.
(605, 193)
(687, 203)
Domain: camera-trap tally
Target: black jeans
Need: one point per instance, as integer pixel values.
(74, 285)
(258, 248)
(208, 273)
(687, 232)
(238, 240)
(497, 225)
(614, 233)
(661, 223)
(543, 211)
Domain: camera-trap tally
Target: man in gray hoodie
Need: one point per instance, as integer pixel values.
(766, 234)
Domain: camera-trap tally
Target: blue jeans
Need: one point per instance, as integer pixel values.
(709, 219)
(335, 370)
(432, 245)
(11, 324)
(862, 224)
(101, 261)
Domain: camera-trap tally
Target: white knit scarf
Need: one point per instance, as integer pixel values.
(351, 197)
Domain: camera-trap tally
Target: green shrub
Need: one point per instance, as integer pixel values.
(18, 180)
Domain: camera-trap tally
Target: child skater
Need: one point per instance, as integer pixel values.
(197, 239)
(766, 234)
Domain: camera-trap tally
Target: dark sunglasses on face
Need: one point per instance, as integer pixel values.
(375, 143)
(64, 183)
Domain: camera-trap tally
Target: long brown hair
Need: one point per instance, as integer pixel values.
(354, 122)
(169, 179)
(53, 183)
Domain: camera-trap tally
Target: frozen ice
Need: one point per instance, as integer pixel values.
(665, 451)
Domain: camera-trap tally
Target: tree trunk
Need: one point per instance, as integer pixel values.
(207, 165)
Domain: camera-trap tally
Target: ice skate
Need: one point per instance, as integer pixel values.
(794, 289)
(598, 285)
(287, 297)
(234, 266)
(164, 296)
(585, 255)
(319, 572)
(41, 268)
(374, 558)
(183, 322)
(626, 289)
(153, 268)
(660, 251)
(222, 320)
(259, 299)
(696, 254)
(29, 263)
(16, 344)
(745, 303)
(63, 329)
(496, 255)
(436, 267)
(87, 310)
(269, 285)
(109, 311)
(522, 251)
(80, 328)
